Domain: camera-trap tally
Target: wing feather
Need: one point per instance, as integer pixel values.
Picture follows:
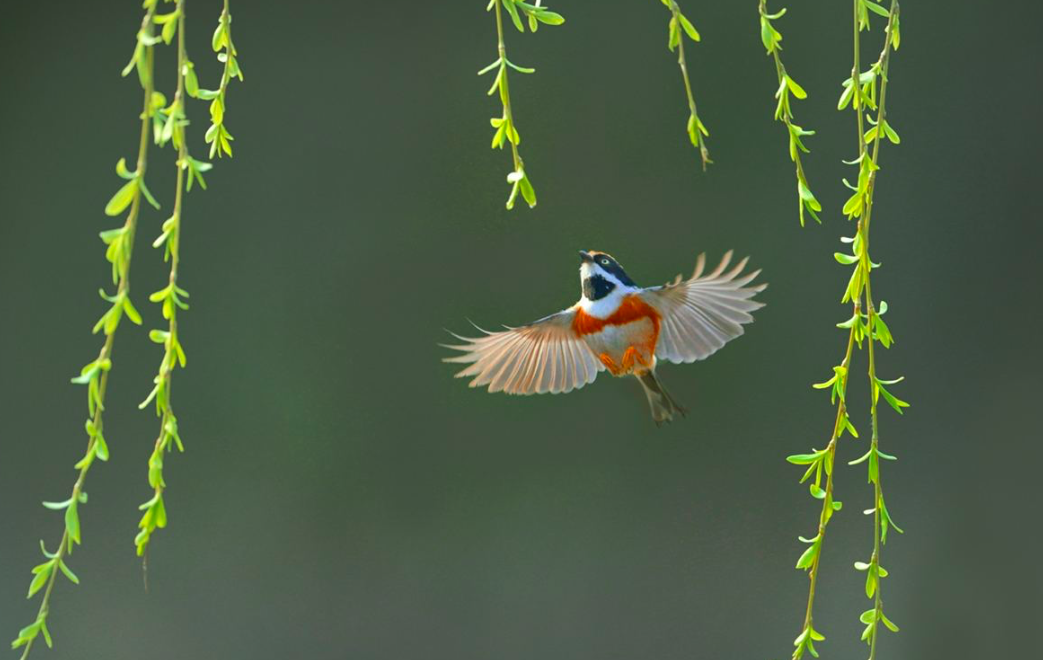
(703, 313)
(544, 356)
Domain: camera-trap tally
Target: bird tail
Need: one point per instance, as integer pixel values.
(663, 405)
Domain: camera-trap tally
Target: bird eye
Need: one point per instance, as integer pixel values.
(604, 262)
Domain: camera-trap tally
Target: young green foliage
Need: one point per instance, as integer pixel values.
(863, 91)
(164, 123)
(171, 297)
(772, 40)
(95, 375)
(506, 129)
(820, 464)
(866, 91)
(217, 136)
(697, 132)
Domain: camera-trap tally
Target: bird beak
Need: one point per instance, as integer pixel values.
(585, 256)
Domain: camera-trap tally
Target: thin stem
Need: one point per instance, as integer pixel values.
(502, 50)
(106, 350)
(827, 501)
(218, 136)
(226, 75)
(866, 266)
(771, 37)
(781, 70)
(856, 71)
(704, 153)
(155, 512)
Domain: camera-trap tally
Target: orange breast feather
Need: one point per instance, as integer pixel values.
(631, 309)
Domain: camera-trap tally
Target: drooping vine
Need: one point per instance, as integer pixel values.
(866, 93)
(772, 40)
(217, 136)
(697, 132)
(95, 375)
(873, 328)
(171, 297)
(506, 129)
(163, 123)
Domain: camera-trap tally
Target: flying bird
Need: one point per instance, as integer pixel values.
(619, 326)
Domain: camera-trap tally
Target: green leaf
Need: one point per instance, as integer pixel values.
(169, 28)
(825, 385)
(809, 555)
(892, 400)
(862, 458)
(689, 29)
(797, 90)
(891, 134)
(68, 573)
(131, 312)
(520, 69)
(122, 171)
(191, 81)
(769, 36)
(845, 96)
(807, 196)
(805, 459)
(876, 9)
(72, 521)
(528, 192)
(42, 573)
(492, 66)
(218, 41)
(550, 18)
(122, 199)
(513, 11)
(887, 622)
(101, 448)
(27, 634)
(57, 506)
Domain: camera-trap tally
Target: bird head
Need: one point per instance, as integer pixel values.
(600, 274)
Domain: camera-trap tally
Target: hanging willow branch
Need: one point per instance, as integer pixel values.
(95, 375)
(861, 91)
(697, 132)
(170, 297)
(772, 40)
(168, 124)
(873, 327)
(506, 129)
(217, 136)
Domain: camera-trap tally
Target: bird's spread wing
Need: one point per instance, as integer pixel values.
(701, 314)
(544, 356)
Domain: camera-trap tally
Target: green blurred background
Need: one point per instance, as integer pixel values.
(343, 497)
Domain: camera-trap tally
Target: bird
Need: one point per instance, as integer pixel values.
(616, 326)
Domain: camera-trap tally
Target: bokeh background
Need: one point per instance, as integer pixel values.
(342, 496)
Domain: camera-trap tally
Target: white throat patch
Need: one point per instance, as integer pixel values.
(604, 307)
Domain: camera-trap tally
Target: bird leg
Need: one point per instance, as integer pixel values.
(610, 364)
(633, 357)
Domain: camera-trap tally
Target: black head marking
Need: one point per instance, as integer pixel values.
(610, 265)
(597, 287)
